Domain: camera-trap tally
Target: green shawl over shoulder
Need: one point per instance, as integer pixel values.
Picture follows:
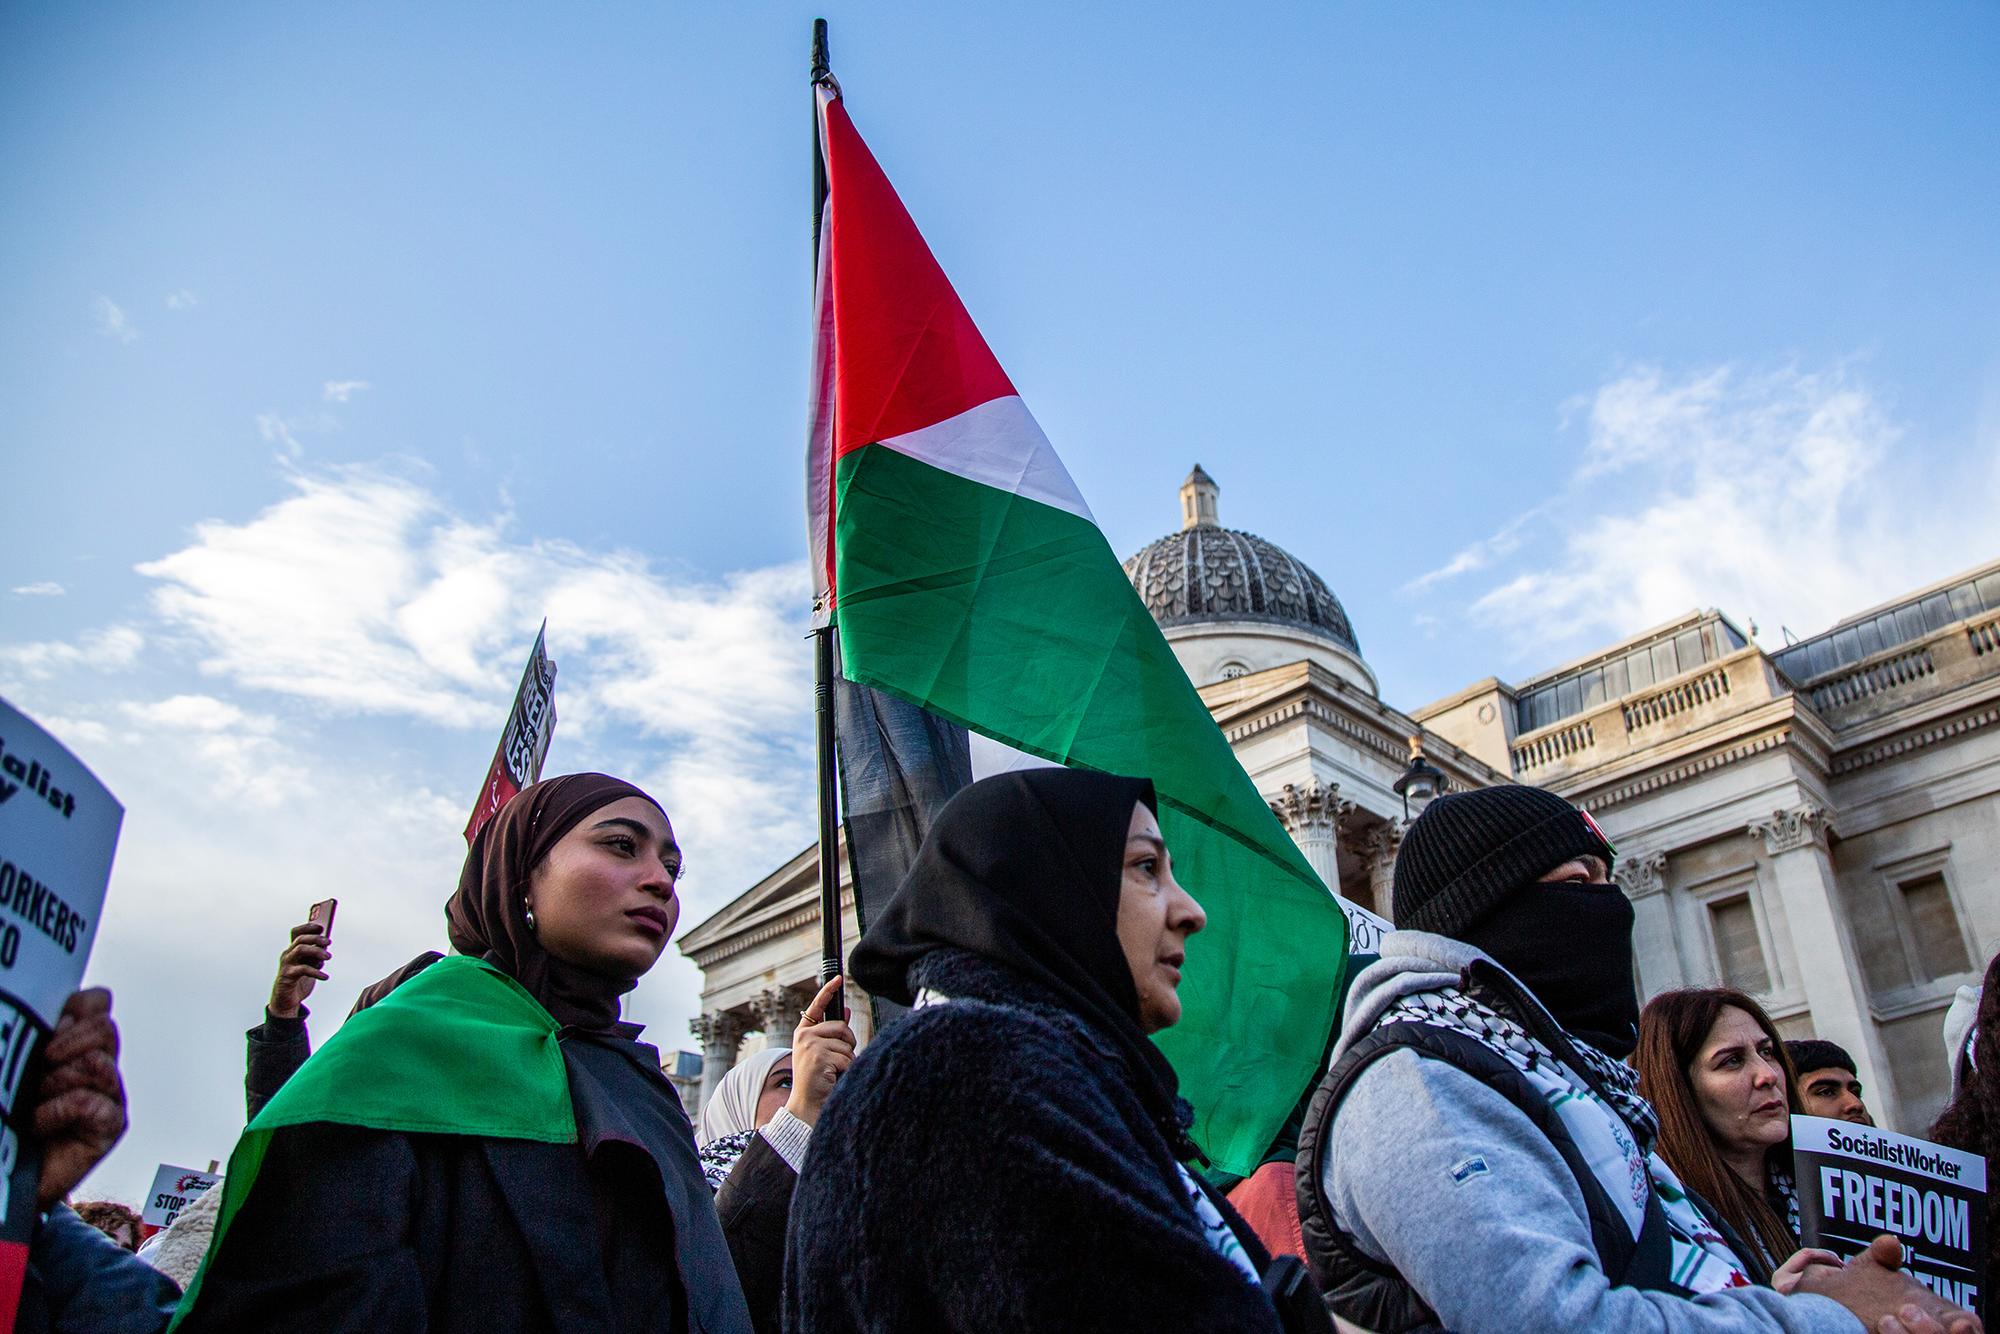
(459, 1049)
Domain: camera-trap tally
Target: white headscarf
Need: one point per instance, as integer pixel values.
(732, 1108)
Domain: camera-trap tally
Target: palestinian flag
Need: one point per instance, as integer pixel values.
(967, 576)
(459, 1049)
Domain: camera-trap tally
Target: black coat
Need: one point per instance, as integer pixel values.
(276, 1049)
(754, 1202)
(352, 1229)
(986, 1165)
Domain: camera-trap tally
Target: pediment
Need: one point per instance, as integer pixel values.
(777, 894)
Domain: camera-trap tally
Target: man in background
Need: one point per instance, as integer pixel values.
(1828, 1084)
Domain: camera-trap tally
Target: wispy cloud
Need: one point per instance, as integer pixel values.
(112, 649)
(339, 391)
(239, 752)
(182, 299)
(278, 431)
(47, 588)
(1477, 555)
(365, 595)
(1774, 495)
(112, 321)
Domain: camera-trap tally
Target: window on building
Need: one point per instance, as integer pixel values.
(1935, 935)
(1739, 954)
(1232, 670)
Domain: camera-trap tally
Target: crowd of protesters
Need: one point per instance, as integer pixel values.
(1502, 1138)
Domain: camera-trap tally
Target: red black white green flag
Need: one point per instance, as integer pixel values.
(967, 576)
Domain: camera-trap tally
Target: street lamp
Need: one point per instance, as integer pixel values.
(1420, 782)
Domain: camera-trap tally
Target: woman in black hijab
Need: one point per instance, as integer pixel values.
(485, 1147)
(1009, 1156)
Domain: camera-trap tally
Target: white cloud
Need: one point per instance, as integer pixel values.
(181, 299)
(1782, 496)
(112, 321)
(112, 649)
(339, 391)
(47, 588)
(365, 596)
(237, 753)
(276, 430)
(1477, 555)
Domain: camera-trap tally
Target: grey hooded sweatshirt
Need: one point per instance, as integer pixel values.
(1505, 1248)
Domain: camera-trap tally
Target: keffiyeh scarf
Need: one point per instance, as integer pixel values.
(1612, 1125)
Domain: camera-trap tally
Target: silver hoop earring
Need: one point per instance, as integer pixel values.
(531, 919)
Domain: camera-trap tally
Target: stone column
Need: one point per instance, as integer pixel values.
(1377, 846)
(1642, 875)
(777, 1012)
(1829, 966)
(1311, 814)
(719, 1033)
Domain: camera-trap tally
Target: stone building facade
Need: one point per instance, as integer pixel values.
(1819, 825)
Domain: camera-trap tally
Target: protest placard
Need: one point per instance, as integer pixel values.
(1856, 1182)
(174, 1189)
(525, 743)
(58, 830)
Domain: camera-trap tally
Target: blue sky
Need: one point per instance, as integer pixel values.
(346, 343)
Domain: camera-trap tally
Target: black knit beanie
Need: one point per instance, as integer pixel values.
(1469, 850)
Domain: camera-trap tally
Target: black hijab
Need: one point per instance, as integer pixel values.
(1025, 870)
(487, 916)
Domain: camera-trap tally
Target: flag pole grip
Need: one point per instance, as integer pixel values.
(829, 827)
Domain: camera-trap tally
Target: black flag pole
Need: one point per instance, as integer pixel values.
(823, 666)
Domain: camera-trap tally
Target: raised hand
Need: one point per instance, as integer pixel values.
(301, 966)
(79, 1107)
(822, 1049)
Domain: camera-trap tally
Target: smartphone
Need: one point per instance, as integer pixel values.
(322, 912)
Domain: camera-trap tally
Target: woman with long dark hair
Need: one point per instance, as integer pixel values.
(1010, 1156)
(1713, 1066)
(486, 1148)
(1971, 1120)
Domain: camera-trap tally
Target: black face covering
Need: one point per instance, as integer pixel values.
(1571, 945)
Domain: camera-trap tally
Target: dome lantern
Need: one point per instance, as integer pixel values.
(1198, 497)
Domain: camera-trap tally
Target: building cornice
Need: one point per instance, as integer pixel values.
(1912, 738)
(740, 939)
(1307, 690)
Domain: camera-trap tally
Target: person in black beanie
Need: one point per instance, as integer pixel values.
(1522, 1190)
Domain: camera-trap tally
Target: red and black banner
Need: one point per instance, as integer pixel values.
(525, 743)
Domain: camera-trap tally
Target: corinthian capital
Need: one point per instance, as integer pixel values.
(1641, 874)
(1791, 828)
(777, 1011)
(718, 1030)
(1312, 805)
(1376, 845)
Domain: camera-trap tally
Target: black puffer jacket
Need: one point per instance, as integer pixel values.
(984, 1165)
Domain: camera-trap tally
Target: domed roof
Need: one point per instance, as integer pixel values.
(1206, 572)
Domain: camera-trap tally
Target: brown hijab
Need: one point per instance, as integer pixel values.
(487, 917)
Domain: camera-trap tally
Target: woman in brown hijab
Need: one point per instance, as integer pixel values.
(486, 1147)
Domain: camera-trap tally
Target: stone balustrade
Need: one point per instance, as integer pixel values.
(1899, 666)
(1686, 703)
(1858, 693)
(1881, 683)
